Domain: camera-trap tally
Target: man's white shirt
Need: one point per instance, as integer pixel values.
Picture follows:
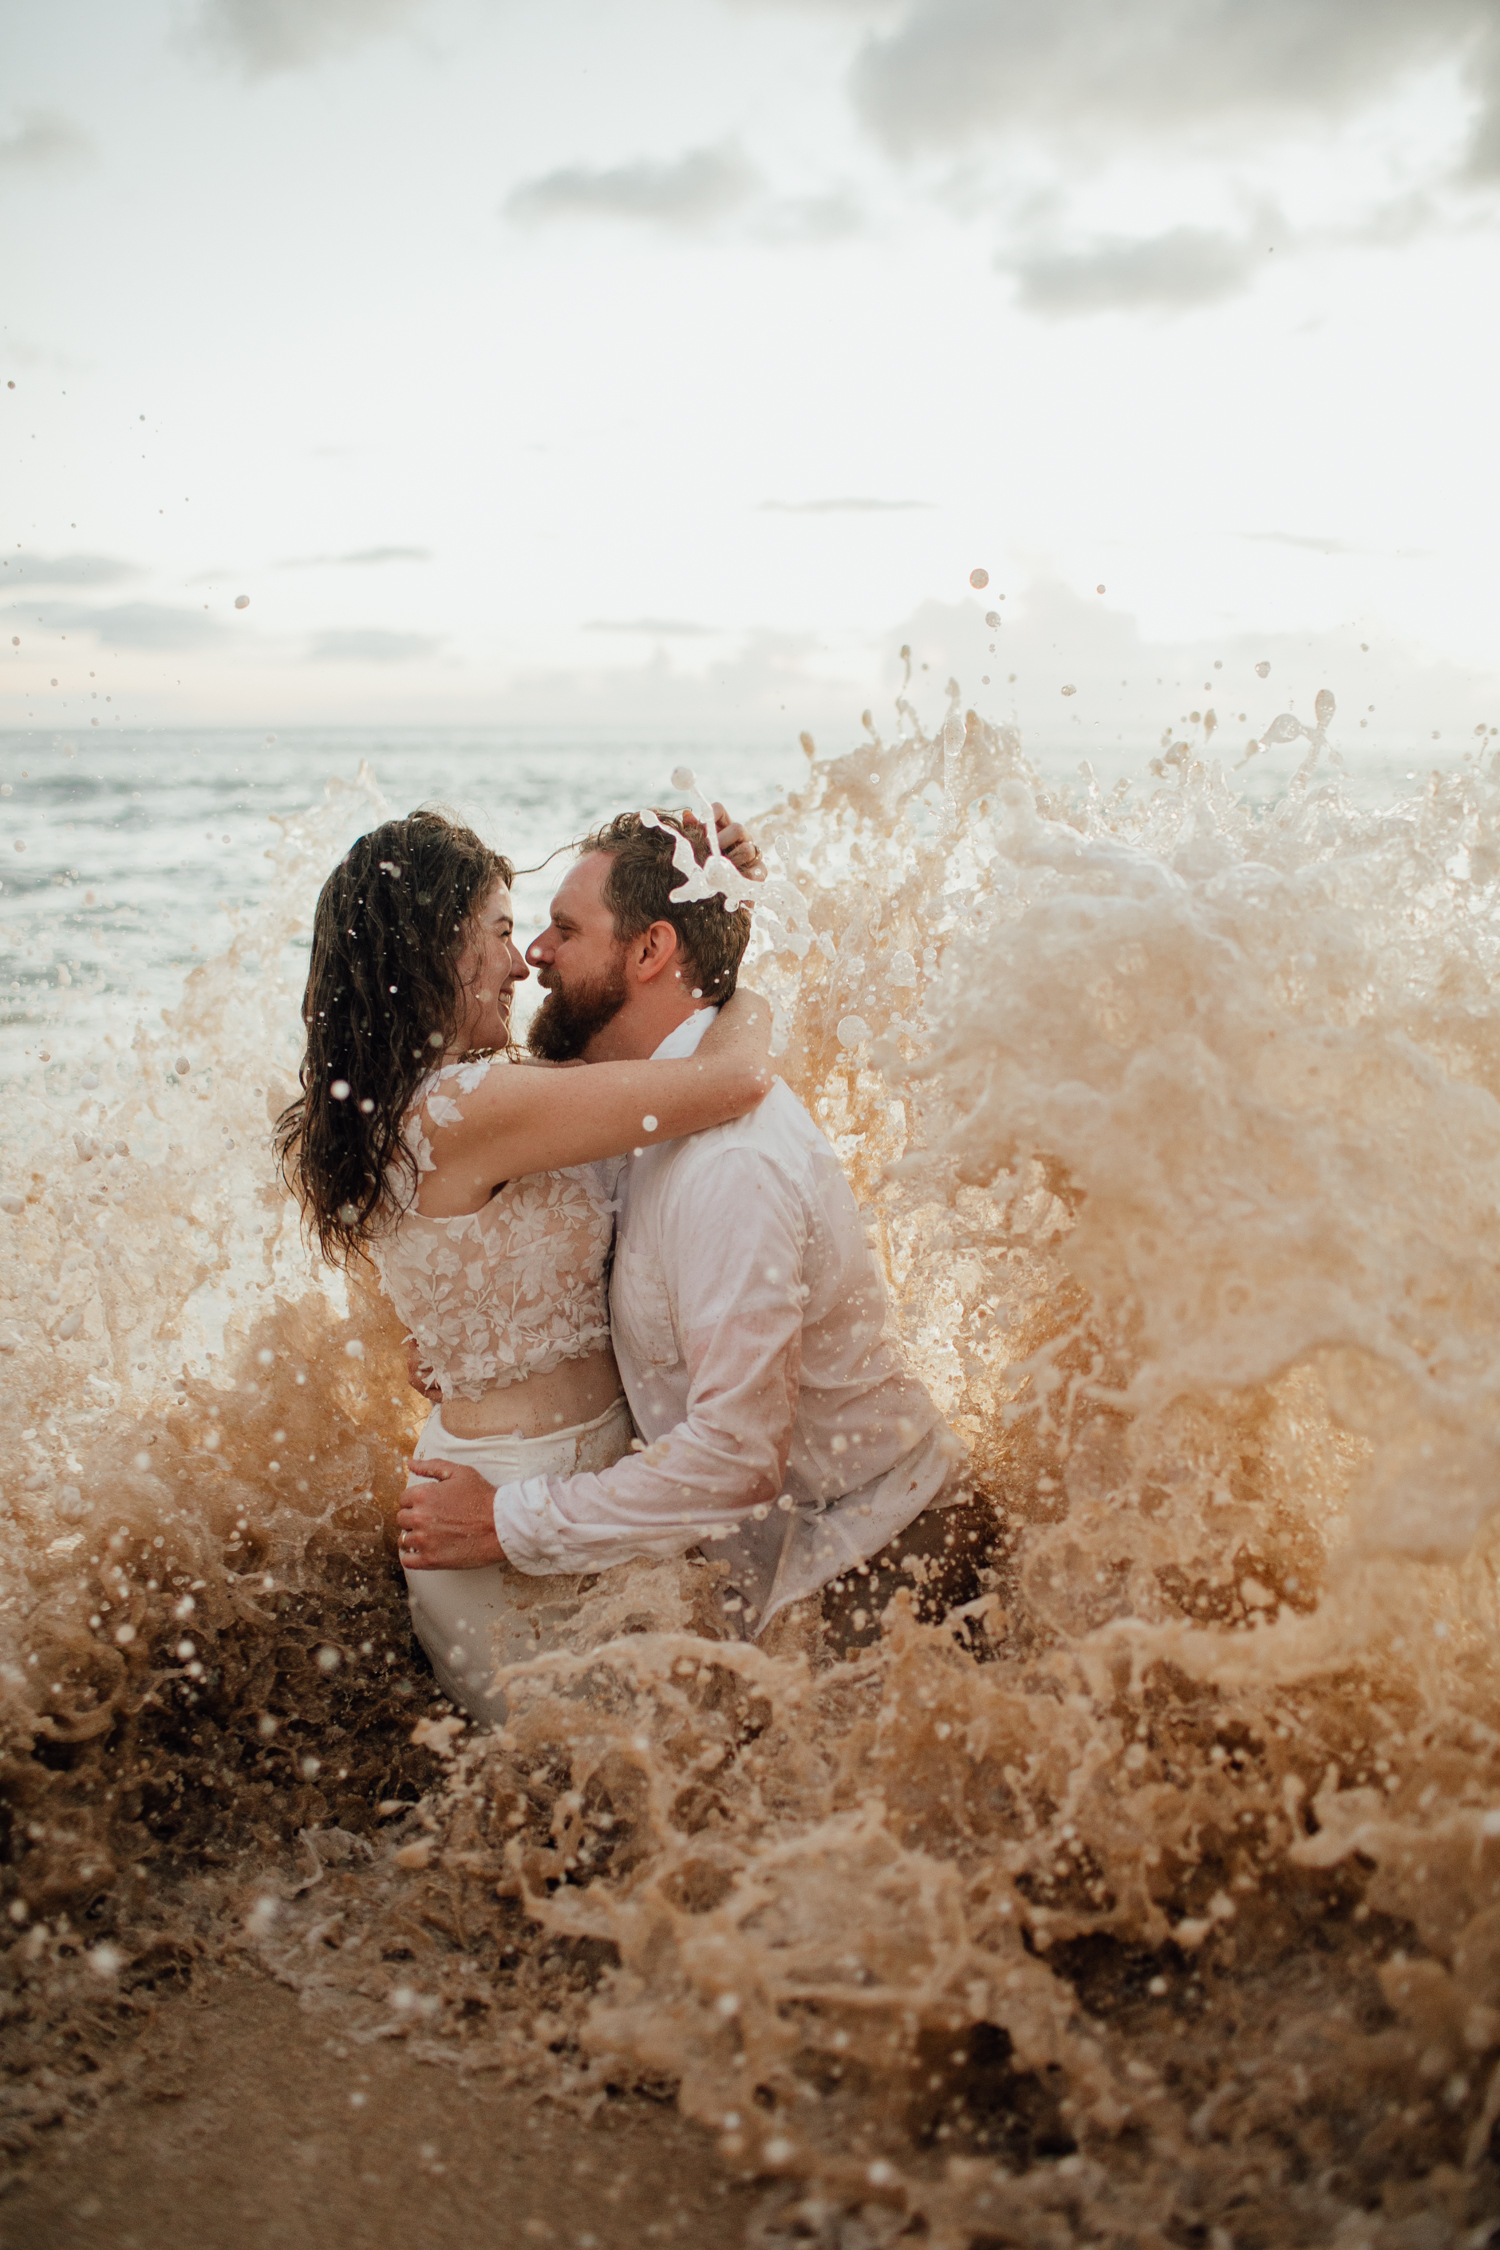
(783, 1431)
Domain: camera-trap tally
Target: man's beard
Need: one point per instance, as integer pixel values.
(566, 1021)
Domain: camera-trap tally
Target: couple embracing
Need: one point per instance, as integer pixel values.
(639, 1291)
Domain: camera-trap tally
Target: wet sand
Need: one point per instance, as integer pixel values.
(240, 2122)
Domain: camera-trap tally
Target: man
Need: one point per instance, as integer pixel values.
(783, 1432)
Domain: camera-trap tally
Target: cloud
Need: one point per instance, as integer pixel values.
(1483, 165)
(360, 557)
(44, 138)
(1172, 272)
(373, 645)
(686, 191)
(835, 216)
(68, 570)
(661, 628)
(1129, 688)
(261, 37)
(1314, 546)
(766, 676)
(1120, 70)
(846, 507)
(124, 625)
(1302, 539)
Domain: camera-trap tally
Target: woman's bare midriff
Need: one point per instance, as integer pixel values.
(577, 1391)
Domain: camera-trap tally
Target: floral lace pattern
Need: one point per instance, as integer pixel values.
(509, 1291)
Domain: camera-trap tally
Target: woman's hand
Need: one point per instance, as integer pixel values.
(740, 850)
(418, 1376)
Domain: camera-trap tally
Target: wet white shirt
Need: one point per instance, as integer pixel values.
(751, 1326)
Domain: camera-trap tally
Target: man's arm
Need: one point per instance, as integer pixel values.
(738, 1305)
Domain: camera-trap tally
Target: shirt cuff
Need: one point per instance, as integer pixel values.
(526, 1526)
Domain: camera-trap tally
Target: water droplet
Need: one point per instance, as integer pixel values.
(242, 601)
(683, 777)
(1070, 691)
(979, 578)
(1098, 589)
(1262, 671)
(992, 617)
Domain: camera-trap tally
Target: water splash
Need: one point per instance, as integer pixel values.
(1159, 1898)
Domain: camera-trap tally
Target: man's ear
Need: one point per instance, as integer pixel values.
(654, 953)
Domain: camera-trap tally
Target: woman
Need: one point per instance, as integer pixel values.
(473, 1181)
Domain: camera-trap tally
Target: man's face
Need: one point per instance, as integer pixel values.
(580, 965)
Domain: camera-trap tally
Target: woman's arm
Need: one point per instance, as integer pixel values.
(519, 1120)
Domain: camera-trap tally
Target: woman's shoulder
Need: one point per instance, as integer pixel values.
(437, 1102)
(441, 1093)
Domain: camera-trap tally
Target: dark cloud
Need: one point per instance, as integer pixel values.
(262, 37)
(847, 507)
(1118, 70)
(662, 628)
(686, 191)
(67, 570)
(122, 625)
(359, 557)
(373, 645)
(42, 139)
(1166, 273)
(1483, 165)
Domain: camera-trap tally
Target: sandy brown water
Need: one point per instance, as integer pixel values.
(1156, 1901)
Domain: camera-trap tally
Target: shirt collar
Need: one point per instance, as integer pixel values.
(684, 1039)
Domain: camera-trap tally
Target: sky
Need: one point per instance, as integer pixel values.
(676, 361)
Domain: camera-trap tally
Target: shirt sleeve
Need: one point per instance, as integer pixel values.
(734, 1243)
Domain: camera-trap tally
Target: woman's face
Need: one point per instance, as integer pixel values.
(489, 968)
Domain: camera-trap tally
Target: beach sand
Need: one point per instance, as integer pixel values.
(239, 2121)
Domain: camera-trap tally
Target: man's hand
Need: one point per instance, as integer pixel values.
(415, 1377)
(447, 1519)
(740, 850)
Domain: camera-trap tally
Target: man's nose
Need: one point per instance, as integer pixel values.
(539, 952)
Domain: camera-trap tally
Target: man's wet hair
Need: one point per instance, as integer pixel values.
(638, 891)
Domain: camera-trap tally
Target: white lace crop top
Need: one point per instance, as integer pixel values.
(509, 1291)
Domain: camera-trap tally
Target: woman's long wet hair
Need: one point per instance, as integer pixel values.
(384, 1000)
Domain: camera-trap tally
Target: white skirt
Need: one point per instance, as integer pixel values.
(472, 1621)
